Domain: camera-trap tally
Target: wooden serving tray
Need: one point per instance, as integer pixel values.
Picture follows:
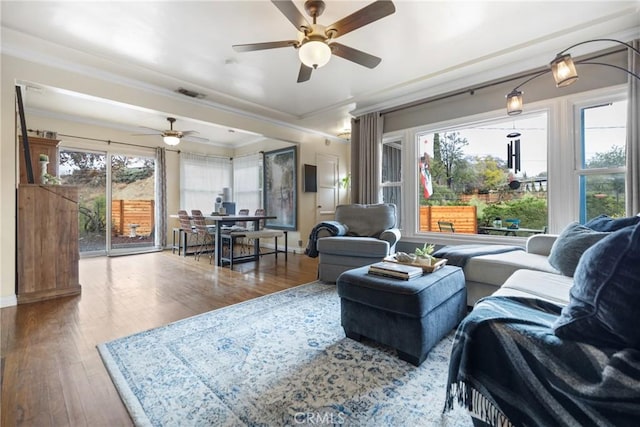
(425, 268)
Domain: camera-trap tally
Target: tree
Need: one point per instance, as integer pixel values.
(614, 158)
(83, 161)
(450, 153)
(438, 174)
(492, 173)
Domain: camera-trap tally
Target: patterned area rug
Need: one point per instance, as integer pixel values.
(281, 359)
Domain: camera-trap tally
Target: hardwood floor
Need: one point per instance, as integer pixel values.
(52, 374)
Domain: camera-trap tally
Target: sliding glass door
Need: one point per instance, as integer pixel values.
(132, 203)
(116, 200)
(87, 170)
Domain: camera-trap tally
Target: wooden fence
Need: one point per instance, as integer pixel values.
(464, 218)
(127, 212)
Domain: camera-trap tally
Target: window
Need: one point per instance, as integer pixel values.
(391, 184)
(601, 159)
(475, 174)
(247, 180)
(202, 179)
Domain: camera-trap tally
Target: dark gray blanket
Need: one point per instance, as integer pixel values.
(458, 255)
(334, 228)
(508, 367)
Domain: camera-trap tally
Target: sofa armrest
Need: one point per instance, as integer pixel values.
(324, 233)
(540, 244)
(392, 236)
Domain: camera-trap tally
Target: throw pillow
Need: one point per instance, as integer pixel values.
(604, 299)
(606, 223)
(570, 245)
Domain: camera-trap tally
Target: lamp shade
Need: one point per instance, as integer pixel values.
(514, 102)
(314, 53)
(171, 140)
(564, 70)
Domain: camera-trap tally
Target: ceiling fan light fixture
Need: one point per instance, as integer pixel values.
(314, 53)
(171, 140)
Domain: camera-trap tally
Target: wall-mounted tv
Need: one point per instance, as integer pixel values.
(310, 180)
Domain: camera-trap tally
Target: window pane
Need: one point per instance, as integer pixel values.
(393, 195)
(604, 134)
(202, 180)
(602, 194)
(88, 171)
(473, 174)
(391, 162)
(392, 176)
(247, 180)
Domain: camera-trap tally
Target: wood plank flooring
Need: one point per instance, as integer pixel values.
(51, 372)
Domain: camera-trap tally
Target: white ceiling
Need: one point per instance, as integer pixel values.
(427, 48)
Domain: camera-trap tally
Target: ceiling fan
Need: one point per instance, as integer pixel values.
(315, 42)
(170, 136)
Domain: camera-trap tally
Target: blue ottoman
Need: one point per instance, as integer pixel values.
(409, 315)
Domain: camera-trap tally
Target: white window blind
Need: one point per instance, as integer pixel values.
(247, 179)
(202, 179)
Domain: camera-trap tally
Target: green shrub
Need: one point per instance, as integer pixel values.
(530, 210)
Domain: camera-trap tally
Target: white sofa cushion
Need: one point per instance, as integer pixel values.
(496, 269)
(537, 284)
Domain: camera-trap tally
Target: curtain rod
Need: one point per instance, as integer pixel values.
(473, 89)
(239, 156)
(108, 141)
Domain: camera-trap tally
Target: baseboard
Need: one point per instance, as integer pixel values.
(8, 301)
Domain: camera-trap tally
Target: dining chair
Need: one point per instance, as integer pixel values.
(186, 230)
(242, 224)
(263, 233)
(205, 232)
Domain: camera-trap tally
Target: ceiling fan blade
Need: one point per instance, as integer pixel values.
(355, 55)
(292, 13)
(188, 132)
(153, 129)
(146, 134)
(368, 14)
(261, 46)
(304, 74)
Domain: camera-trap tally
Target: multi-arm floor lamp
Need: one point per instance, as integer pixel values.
(564, 73)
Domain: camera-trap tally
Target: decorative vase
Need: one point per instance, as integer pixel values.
(43, 172)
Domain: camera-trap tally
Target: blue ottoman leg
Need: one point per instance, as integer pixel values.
(353, 335)
(411, 358)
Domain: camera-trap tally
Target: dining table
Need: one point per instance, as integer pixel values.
(224, 223)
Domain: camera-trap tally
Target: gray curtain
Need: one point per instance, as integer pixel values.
(161, 201)
(366, 152)
(632, 196)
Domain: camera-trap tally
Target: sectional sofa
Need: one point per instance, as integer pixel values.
(487, 274)
(558, 342)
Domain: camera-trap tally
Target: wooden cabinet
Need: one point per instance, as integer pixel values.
(47, 241)
(39, 146)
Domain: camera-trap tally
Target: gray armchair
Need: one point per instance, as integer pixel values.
(371, 235)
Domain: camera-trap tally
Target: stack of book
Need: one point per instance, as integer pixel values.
(395, 270)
